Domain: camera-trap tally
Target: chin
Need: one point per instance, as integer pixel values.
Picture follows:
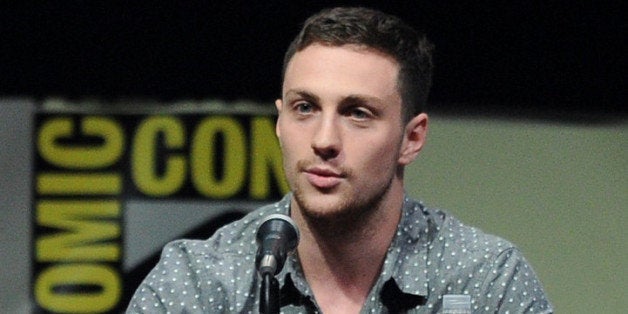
(330, 209)
(315, 203)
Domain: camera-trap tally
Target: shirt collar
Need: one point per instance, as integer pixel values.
(404, 273)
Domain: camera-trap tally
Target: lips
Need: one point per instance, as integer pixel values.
(323, 178)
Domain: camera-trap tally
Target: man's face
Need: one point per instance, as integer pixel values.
(340, 129)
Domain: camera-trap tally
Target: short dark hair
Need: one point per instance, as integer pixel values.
(380, 31)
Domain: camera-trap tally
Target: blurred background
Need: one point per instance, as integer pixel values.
(553, 59)
(528, 140)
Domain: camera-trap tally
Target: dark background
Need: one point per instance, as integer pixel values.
(558, 61)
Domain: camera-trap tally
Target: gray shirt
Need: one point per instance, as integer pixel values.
(432, 256)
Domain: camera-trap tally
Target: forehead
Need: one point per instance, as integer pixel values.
(349, 67)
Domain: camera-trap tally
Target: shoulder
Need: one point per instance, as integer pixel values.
(235, 238)
(452, 250)
(443, 233)
(462, 259)
(469, 240)
(212, 275)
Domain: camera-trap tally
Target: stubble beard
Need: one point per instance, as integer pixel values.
(351, 214)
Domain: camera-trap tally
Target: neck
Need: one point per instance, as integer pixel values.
(348, 255)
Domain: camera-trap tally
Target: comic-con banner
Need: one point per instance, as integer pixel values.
(111, 186)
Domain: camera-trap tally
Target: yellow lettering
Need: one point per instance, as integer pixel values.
(81, 157)
(79, 183)
(86, 234)
(144, 167)
(203, 152)
(102, 299)
(265, 158)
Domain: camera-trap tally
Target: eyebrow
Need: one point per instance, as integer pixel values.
(303, 94)
(361, 99)
(352, 98)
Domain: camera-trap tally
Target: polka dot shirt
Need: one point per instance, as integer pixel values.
(431, 256)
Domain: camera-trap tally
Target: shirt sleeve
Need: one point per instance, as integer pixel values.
(179, 284)
(511, 286)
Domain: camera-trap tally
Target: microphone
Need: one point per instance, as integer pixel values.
(276, 237)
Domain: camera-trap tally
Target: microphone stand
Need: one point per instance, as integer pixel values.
(276, 236)
(269, 301)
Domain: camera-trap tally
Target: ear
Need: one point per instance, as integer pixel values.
(279, 106)
(413, 139)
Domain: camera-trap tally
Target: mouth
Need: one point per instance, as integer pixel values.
(323, 178)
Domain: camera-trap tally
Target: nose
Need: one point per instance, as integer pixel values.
(326, 141)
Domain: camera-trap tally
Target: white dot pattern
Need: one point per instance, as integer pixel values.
(432, 255)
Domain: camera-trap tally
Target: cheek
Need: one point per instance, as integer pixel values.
(379, 156)
(291, 151)
(295, 138)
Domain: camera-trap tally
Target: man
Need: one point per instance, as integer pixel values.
(350, 119)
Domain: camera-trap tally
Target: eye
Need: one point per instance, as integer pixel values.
(359, 113)
(304, 107)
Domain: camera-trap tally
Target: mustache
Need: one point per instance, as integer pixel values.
(304, 164)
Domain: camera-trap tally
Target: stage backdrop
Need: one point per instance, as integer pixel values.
(91, 192)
